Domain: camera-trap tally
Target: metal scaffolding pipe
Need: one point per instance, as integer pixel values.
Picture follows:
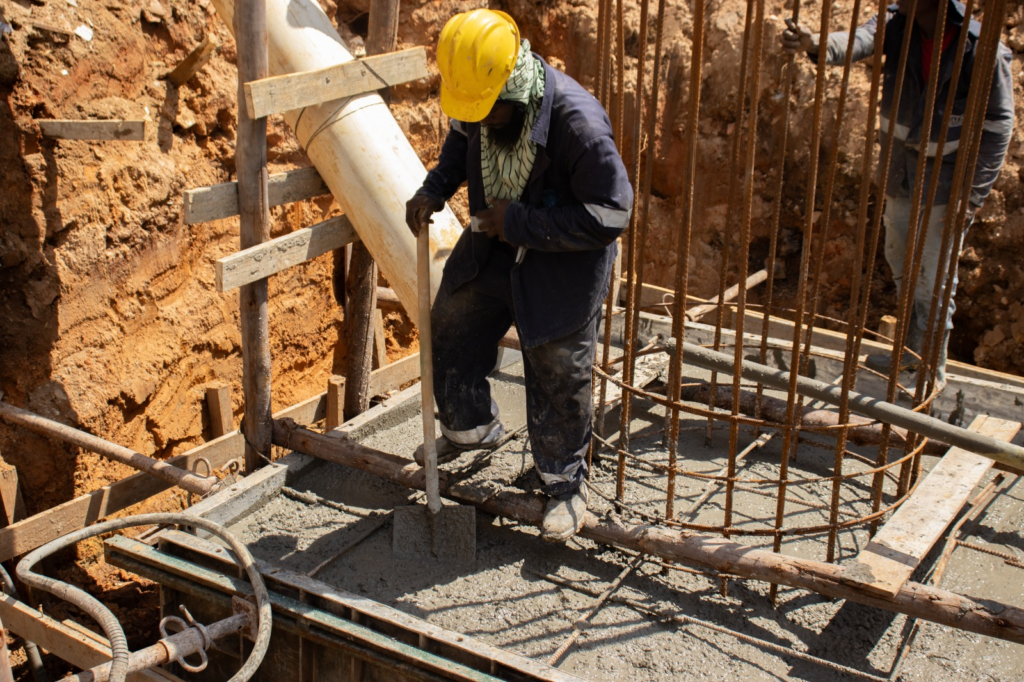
(984, 617)
(999, 451)
(200, 485)
(169, 649)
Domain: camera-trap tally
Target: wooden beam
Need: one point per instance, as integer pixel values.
(395, 375)
(196, 60)
(335, 402)
(279, 94)
(218, 403)
(221, 201)
(10, 495)
(263, 260)
(250, 24)
(359, 316)
(885, 565)
(380, 345)
(92, 130)
(65, 642)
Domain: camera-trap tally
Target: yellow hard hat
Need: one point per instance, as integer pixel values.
(475, 55)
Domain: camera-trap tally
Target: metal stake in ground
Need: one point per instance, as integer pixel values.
(445, 533)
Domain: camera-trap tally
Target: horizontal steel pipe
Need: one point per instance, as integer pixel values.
(999, 451)
(984, 617)
(185, 480)
(180, 644)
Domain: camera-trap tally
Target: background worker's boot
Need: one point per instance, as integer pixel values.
(880, 362)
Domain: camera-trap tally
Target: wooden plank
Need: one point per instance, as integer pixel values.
(335, 402)
(64, 642)
(888, 561)
(196, 60)
(37, 530)
(10, 495)
(380, 345)
(259, 262)
(218, 402)
(395, 375)
(92, 130)
(279, 94)
(221, 201)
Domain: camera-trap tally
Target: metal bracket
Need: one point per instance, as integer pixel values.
(249, 609)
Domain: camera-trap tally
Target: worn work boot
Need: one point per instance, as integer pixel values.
(881, 362)
(563, 517)
(447, 451)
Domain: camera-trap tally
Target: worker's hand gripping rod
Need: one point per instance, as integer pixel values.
(427, 365)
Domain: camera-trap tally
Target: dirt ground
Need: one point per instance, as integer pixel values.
(505, 599)
(109, 318)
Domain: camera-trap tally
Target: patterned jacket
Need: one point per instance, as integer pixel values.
(577, 202)
(908, 133)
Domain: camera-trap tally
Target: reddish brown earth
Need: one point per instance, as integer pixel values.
(109, 318)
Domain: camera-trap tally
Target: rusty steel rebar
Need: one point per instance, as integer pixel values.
(200, 485)
(683, 244)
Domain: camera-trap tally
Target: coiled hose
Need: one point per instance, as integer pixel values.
(108, 622)
(35, 660)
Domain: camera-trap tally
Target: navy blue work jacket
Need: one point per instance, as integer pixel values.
(576, 203)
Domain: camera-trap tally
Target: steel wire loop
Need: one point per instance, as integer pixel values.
(108, 621)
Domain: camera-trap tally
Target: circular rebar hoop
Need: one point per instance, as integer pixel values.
(109, 623)
(888, 470)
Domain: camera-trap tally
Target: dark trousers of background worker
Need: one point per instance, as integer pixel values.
(467, 325)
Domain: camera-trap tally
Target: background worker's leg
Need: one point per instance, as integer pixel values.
(559, 407)
(467, 326)
(932, 259)
(896, 218)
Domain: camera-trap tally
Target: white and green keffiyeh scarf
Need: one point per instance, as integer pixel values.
(506, 169)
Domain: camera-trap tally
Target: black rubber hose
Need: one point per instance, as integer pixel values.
(108, 622)
(35, 659)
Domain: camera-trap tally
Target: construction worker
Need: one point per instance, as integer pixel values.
(902, 181)
(548, 196)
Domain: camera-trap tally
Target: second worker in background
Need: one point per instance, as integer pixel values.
(909, 140)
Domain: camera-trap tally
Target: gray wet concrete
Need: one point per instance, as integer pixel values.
(502, 598)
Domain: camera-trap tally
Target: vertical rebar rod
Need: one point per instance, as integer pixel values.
(620, 124)
(789, 439)
(601, 88)
(927, 359)
(913, 251)
(732, 201)
(743, 260)
(876, 228)
(683, 248)
(629, 337)
(962, 185)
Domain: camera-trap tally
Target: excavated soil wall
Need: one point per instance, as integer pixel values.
(109, 318)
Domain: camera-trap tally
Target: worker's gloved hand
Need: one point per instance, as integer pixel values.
(418, 211)
(5, 30)
(799, 38)
(491, 221)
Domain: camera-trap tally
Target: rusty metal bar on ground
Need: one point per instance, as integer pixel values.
(168, 472)
(1007, 453)
(985, 617)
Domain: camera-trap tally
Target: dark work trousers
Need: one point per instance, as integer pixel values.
(467, 326)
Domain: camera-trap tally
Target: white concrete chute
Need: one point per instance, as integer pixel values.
(357, 146)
